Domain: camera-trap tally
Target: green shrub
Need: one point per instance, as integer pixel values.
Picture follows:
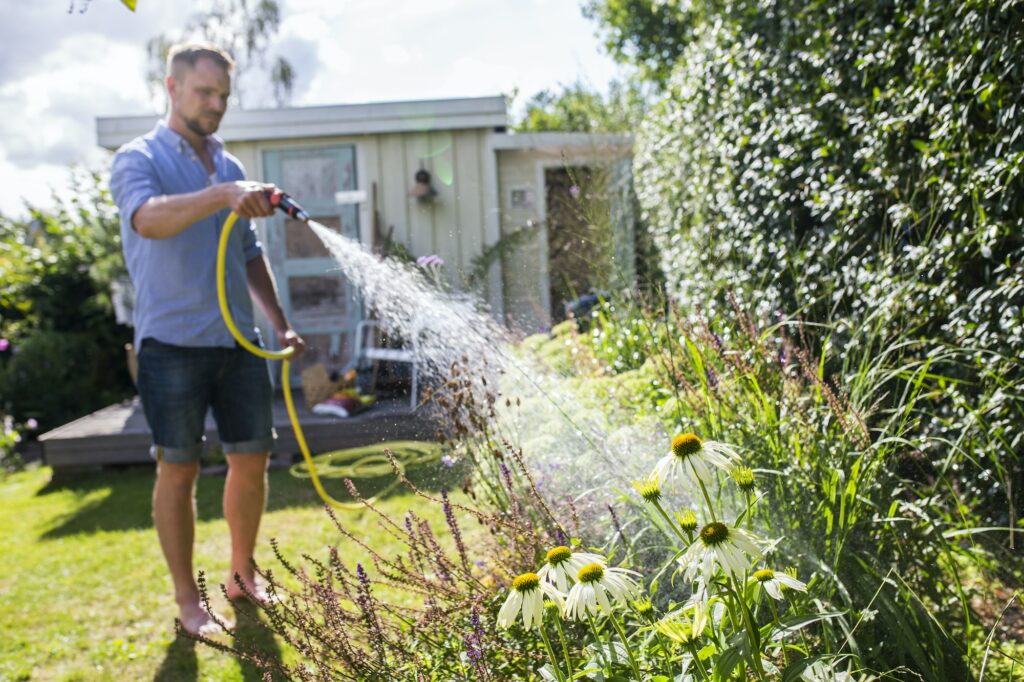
(859, 163)
(853, 502)
(66, 355)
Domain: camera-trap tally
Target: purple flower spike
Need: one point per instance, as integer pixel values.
(428, 261)
(4, 345)
(448, 461)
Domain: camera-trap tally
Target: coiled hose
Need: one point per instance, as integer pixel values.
(357, 463)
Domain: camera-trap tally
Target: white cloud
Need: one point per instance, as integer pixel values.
(399, 55)
(58, 72)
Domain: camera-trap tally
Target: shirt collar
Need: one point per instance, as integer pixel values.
(172, 139)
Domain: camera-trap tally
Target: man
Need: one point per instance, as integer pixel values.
(174, 187)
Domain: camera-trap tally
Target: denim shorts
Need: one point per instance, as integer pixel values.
(178, 384)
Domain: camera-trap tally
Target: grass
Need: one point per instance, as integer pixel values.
(84, 592)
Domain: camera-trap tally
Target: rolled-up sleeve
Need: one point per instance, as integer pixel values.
(133, 182)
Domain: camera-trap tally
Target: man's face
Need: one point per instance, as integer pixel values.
(199, 96)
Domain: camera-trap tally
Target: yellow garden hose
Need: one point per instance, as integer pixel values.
(357, 464)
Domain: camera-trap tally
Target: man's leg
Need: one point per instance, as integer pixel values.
(174, 515)
(245, 497)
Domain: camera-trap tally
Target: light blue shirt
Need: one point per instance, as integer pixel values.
(175, 278)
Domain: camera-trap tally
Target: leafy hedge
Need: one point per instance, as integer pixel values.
(65, 351)
(860, 163)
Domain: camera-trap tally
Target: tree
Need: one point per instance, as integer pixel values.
(647, 34)
(130, 4)
(577, 108)
(245, 29)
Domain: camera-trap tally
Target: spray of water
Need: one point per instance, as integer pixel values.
(574, 444)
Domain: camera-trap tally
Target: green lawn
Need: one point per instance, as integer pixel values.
(84, 594)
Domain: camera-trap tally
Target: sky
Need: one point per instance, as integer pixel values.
(60, 70)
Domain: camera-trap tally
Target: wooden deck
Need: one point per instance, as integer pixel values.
(118, 434)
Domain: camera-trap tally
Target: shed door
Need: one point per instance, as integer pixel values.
(320, 303)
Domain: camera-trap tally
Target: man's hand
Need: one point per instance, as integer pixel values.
(289, 338)
(249, 199)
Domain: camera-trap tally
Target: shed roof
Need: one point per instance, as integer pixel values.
(340, 119)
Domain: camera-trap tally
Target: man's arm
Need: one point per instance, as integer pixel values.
(168, 215)
(264, 290)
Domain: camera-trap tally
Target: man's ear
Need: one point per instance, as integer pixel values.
(170, 83)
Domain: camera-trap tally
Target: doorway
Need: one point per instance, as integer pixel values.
(578, 235)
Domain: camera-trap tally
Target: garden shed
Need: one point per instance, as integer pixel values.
(355, 168)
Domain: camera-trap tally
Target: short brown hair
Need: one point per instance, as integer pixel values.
(187, 54)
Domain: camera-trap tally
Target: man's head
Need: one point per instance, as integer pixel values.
(198, 85)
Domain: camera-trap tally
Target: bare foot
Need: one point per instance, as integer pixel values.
(257, 592)
(196, 620)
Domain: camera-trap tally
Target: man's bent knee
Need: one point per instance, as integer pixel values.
(177, 473)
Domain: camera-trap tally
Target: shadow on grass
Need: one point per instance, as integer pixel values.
(180, 663)
(121, 498)
(253, 636)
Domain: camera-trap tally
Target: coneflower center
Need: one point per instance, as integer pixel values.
(686, 444)
(558, 555)
(764, 575)
(714, 533)
(526, 582)
(590, 573)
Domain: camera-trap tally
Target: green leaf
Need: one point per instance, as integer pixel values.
(791, 624)
(130, 4)
(920, 145)
(794, 671)
(707, 652)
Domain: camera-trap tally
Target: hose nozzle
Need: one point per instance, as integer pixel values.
(288, 205)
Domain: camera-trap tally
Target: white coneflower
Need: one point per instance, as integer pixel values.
(649, 489)
(691, 459)
(744, 477)
(687, 520)
(562, 564)
(682, 627)
(732, 548)
(527, 597)
(595, 582)
(773, 583)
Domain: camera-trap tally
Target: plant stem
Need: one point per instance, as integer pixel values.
(597, 638)
(671, 524)
(625, 643)
(551, 654)
(707, 498)
(753, 634)
(565, 646)
(775, 617)
(696, 660)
